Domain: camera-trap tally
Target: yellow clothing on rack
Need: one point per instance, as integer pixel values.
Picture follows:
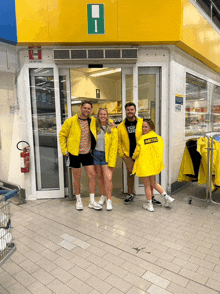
(186, 167)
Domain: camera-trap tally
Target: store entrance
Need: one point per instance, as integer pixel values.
(102, 87)
(112, 88)
(57, 93)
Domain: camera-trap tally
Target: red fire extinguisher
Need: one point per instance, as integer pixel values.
(25, 157)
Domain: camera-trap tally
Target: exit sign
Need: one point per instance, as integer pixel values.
(96, 19)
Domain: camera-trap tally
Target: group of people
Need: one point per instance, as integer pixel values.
(95, 142)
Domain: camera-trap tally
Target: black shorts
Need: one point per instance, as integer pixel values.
(84, 159)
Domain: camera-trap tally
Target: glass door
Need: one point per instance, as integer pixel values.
(148, 107)
(127, 96)
(46, 122)
(141, 85)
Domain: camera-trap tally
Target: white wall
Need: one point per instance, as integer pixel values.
(12, 117)
(7, 98)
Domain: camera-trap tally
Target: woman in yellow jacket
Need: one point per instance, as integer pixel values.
(105, 156)
(148, 157)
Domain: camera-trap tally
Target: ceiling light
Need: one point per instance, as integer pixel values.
(103, 73)
(76, 102)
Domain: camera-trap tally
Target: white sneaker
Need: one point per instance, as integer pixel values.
(109, 204)
(95, 205)
(102, 200)
(168, 200)
(148, 206)
(79, 205)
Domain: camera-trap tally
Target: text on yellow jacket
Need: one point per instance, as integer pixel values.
(123, 138)
(70, 135)
(148, 155)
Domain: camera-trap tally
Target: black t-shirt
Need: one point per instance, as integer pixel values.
(131, 128)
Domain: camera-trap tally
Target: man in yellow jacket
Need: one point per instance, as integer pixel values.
(77, 139)
(129, 132)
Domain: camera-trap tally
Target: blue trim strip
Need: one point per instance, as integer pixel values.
(8, 26)
(8, 42)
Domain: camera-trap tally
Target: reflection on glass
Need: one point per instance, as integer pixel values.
(63, 98)
(147, 101)
(44, 128)
(146, 94)
(129, 88)
(64, 116)
(215, 109)
(196, 111)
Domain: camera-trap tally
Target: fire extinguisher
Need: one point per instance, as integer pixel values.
(25, 157)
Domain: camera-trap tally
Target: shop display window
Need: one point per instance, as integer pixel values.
(196, 110)
(215, 107)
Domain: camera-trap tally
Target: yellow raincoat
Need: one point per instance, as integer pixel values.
(70, 135)
(123, 138)
(111, 147)
(148, 155)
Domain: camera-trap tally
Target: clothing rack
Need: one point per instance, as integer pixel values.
(210, 136)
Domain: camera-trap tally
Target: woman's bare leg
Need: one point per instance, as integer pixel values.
(147, 185)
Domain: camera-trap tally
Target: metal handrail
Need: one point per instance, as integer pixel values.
(21, 192)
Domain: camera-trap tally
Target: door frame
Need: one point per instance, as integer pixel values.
(45, 193)
(164, 132)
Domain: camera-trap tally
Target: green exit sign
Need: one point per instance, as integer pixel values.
(96, 19)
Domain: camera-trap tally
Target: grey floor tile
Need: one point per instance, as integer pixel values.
(179, 251)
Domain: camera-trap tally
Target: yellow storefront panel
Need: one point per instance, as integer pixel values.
(63, 22)
(145, 22)
(32, 21)
(199, 39)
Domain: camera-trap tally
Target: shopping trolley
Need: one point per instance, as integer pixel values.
(7, 247)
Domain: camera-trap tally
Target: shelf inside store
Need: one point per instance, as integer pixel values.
(195, 112)
(79, 100)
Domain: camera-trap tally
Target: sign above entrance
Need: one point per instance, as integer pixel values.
(96, 19)
(35, 53)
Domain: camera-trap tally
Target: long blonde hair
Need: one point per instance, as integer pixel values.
(98, 123)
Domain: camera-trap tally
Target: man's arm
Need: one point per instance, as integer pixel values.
(120, 149)
(63, 135)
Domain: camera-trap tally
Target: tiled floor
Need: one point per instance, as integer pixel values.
(127, 250)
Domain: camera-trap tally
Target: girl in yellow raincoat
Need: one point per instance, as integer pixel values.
(148, 157)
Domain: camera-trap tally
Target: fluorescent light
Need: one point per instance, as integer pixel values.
(76, 102)
(103, 73)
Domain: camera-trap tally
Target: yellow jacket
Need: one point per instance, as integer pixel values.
(187, 169)
(148, 155)
(111, 147)
(123, 138)
(70, 135)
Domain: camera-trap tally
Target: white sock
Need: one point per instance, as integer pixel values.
(92, 197)
(164, 194)
(78, 197)
(149, 201)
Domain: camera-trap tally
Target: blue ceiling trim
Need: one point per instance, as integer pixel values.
(8, 27)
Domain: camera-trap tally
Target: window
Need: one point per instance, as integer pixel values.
(196, 109)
